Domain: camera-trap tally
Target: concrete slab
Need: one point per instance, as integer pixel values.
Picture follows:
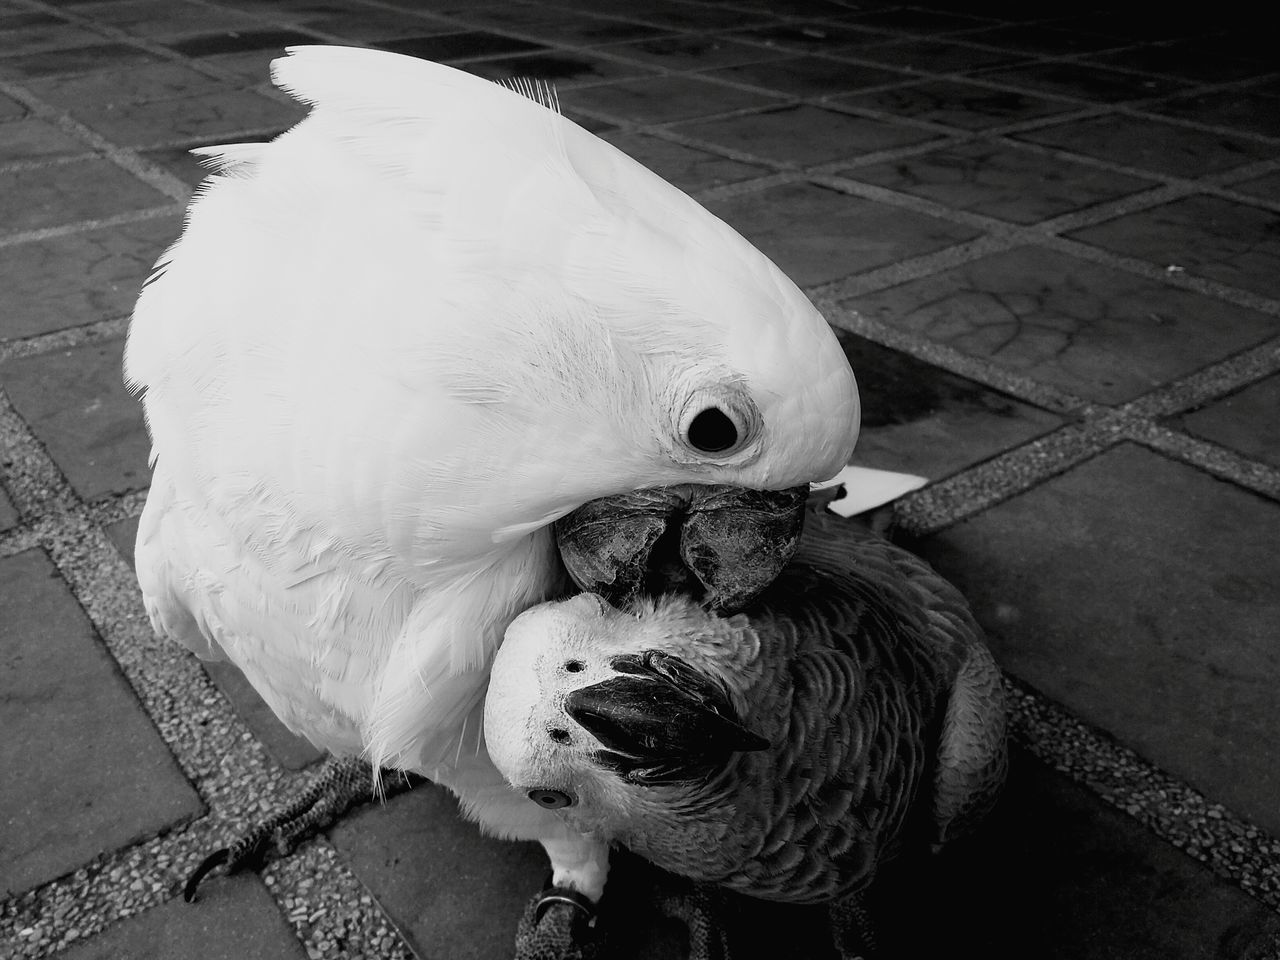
(1245, 421)
(664, 99)
(919, 419)
(76, 403)
(1151, 145)
(49, 196)
(8, 513)
(234, 919)
(1211, 237)
(95, 774)
(1245, 109)
(205, 118)
(455, 893)
(73, 59)
(34, 139)
(807, 76)
(1096, 331)
(1086, 81)
(1000, 181)
(967, 106)
(816, 235)
(81, 277)
(689, 169)
(805, 135)
(1142, 595)
(1055, 873)
(564, 70)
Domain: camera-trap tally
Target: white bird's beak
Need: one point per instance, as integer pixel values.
(721, 542)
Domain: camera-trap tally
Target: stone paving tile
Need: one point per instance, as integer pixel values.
(938, 56)
(565, 70)
(664, 99)
(1092, 330)
(1207, 236)
(1186, 59)
(964, 105)
(677, 15)
(1152, 145)
(135, 84)
(459, 46)
(202, 118)
(1267, 187)
(79, 278)
(180, 162)
(288, 749)
(169, 18)
(1141, 594)
(1085, 81)
(10, 109)
(920, 419)
(1057, 874)
(435, 874)
(1000, 181)
(1039, 39)
(812, 37)
(71, 192)
(23, 34)
(1246, 110)
(36, 139)
(238, 41)
(916, 20)
(804, 134)
(694, 52)
(1244, 421)
(807, 76)
(690, 170)
(370, 25)
(95, 774)
(85, 59)
(8, 513)
(563, 26)
(234, 919)
(816, 235)
(76, 404)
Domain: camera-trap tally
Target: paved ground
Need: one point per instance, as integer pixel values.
(1052, 250)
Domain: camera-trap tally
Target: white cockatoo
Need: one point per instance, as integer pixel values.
(395, 344)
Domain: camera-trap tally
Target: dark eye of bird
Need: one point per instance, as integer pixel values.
(550, 799)
(558, 735)
(711, 431)
(574, 666)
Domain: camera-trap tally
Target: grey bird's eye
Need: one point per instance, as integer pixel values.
(551, 799)
(712, 431)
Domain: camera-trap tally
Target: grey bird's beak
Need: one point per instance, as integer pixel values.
(660, 720)
(723, 543)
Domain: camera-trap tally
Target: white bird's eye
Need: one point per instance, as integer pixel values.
(551, 799)
(712, 431)
(719, 423)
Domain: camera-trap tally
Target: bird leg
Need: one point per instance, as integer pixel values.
(342, 783)
(560, 922)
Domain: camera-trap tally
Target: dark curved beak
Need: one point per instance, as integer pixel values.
(660, 720)
(723, 543)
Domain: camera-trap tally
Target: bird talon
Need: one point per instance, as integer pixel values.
(207, 866)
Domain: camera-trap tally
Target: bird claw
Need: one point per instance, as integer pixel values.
(341, 784)
(559, 924)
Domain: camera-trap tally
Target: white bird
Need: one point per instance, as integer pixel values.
(396, 343)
